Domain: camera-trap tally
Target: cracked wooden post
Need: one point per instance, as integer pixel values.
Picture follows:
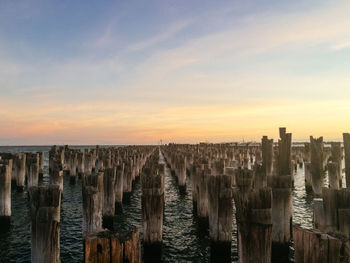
(317, 173)
(107, 247)
(45, 226)
(119, 188)
(109, 178)
(253, 216)
(282, 210)
(92, 188)
(5, 196)
(220, 216)
(267, 155)
(346, 137)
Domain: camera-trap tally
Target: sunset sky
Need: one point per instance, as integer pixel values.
(110, 72)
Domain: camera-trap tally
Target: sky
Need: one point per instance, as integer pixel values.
(121, 72)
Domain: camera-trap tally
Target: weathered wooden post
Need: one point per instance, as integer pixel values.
(19, 164)
(105, 247)
(313, 246)
(56, 174)
(317, 173)
(346, 137)
(334, 178)
(73, 167)
(127, 179)
(202, 197)
(267, 155)
(254, 223)
(109, 197)
(119, 188)
(45, 217)
(182, 172)
(5, 197)
(152, 202)
(308, 176)
(152, 205)
(92, 188)
(220, 216)
(282, 211)
(81, 164)
(41, 164)
(33, 175)
(284, 159)
(194, 182)
(337, 155)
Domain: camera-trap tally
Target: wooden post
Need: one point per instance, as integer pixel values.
(127, 179)
(308, 176)
(346, 137)
(105, 247)
(317, 173)
(81, 164)
(33, 175)
(20, 170)
(337, 156)
(334, 177)
(45, 217)
(284, 159)
(254, 224)
(182, 172)
(41, 164)
(109, 197)
(202, 197)
(267, 155)
(282, 208)
(152, 205)
(5, 197)
(73, 167)
(56, 174)
(220, 208)
(92, 188)
(313, 246)
(119, 188)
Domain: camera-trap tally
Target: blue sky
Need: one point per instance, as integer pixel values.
(139, 71)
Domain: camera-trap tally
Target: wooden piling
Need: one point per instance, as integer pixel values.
(108, 211)
(45, 226)
(317, 173)
(33, 175)
(152, 201)
(346, 137)
(107, 247)
(313, 246)
(92, 189)
(267, 155)
(254, 223)
(5, 196)
(282, 209)
(220, 208)
(119, 187)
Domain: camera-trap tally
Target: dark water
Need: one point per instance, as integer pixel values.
(182, 239)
